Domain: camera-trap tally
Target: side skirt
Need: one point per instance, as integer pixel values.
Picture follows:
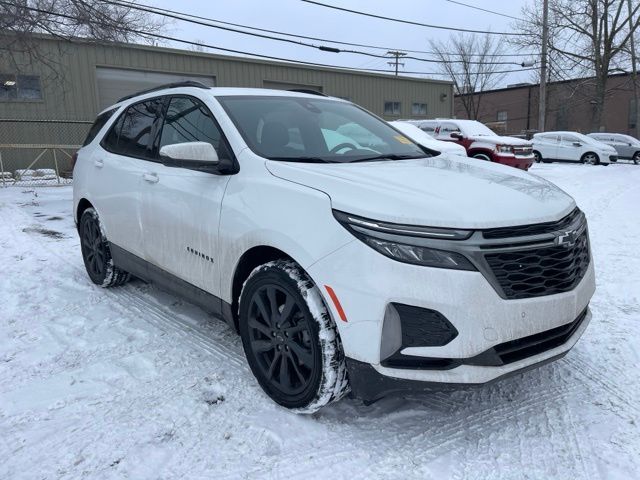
(150, 273)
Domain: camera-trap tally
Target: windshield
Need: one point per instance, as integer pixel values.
(321, 130)
(476, 129)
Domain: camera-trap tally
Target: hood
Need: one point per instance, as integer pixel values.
(442, 191)
(498, 140)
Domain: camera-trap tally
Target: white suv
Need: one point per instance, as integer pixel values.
(572, 147)
(343, 267)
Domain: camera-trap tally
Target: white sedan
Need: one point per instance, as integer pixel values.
(572, 147)
(426, 140)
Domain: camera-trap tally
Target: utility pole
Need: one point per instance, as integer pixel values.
(542, 108)
(397, 55)
(634, 71)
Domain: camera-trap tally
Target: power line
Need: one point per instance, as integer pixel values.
(206, 22)
(484, 10)
(242, 52)
(375, 47)
(409, 22)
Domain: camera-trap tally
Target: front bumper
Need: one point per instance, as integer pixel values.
(522, 162)
(372, 382)
(366, 282)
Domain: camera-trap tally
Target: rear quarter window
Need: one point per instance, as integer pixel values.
(100, 122)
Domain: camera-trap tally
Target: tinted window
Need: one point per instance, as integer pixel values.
(188, 120)
(132, 133)
(102, 119)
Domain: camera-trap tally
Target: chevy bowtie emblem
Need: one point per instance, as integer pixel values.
(567, 239)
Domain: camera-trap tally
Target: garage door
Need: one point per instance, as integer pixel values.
(115, 83)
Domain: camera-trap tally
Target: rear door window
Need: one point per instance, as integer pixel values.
(133, 133)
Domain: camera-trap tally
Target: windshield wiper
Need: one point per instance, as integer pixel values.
(301, 159)
(387, 157)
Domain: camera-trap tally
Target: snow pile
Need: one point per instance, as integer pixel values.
(135, 383)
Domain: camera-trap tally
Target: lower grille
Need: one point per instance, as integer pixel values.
(526, 347)
(541, 271)
(613, 158)
(502, 354)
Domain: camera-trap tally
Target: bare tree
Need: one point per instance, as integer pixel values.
(587, 38)
(20, 20)
(469, 61)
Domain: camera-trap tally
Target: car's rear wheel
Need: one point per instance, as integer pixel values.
(96, 253)
(590, 158)
(636, 158)
(289, 338)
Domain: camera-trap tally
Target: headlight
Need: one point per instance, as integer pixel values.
(408, 244)
(505, 149)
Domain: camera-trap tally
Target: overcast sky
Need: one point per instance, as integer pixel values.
(295, 16)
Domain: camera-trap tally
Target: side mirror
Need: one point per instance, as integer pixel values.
(577, 144)
(189, 154)
(456, 135)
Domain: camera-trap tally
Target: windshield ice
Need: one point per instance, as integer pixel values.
(309, 129)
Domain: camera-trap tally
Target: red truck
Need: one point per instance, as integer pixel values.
(481, 142)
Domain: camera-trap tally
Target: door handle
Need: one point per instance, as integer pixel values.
(98, 163)
(150, 177)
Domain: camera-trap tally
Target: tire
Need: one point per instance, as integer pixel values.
(537, 156)
(96, 253)
(296, 355)
(482, 156)
(636, 158)
(590, 158)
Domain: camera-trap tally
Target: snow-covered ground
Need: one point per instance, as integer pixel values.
(134, 383)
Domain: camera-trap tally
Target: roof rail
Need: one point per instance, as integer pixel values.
(308, 91)
(186, 83)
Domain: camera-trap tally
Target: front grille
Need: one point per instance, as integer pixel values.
(541, 271)
(536, 229)
(523, 151)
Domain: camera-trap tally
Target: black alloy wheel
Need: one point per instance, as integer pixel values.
(96, 253)
(281, 341)
(94, 250)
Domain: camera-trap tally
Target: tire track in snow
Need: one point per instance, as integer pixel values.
(447, 436)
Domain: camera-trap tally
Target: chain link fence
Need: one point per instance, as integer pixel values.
(39, 152)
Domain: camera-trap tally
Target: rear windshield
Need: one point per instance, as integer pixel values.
(100, 122)
(304, 129)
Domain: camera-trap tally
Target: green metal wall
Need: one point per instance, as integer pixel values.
(72, 93)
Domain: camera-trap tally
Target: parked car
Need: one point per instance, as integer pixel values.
(627, 147)
(341, 268)
(572, 147)
(481, 142)
(422, 138)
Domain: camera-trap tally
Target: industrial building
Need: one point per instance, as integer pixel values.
(570, 106)
(39, 104)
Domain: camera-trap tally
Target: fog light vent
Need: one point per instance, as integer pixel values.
(422, 327)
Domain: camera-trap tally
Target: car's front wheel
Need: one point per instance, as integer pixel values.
(482, 156)
(96, 253)
(537, 156)
(636, 158)
(289, 338)
(590, 158)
